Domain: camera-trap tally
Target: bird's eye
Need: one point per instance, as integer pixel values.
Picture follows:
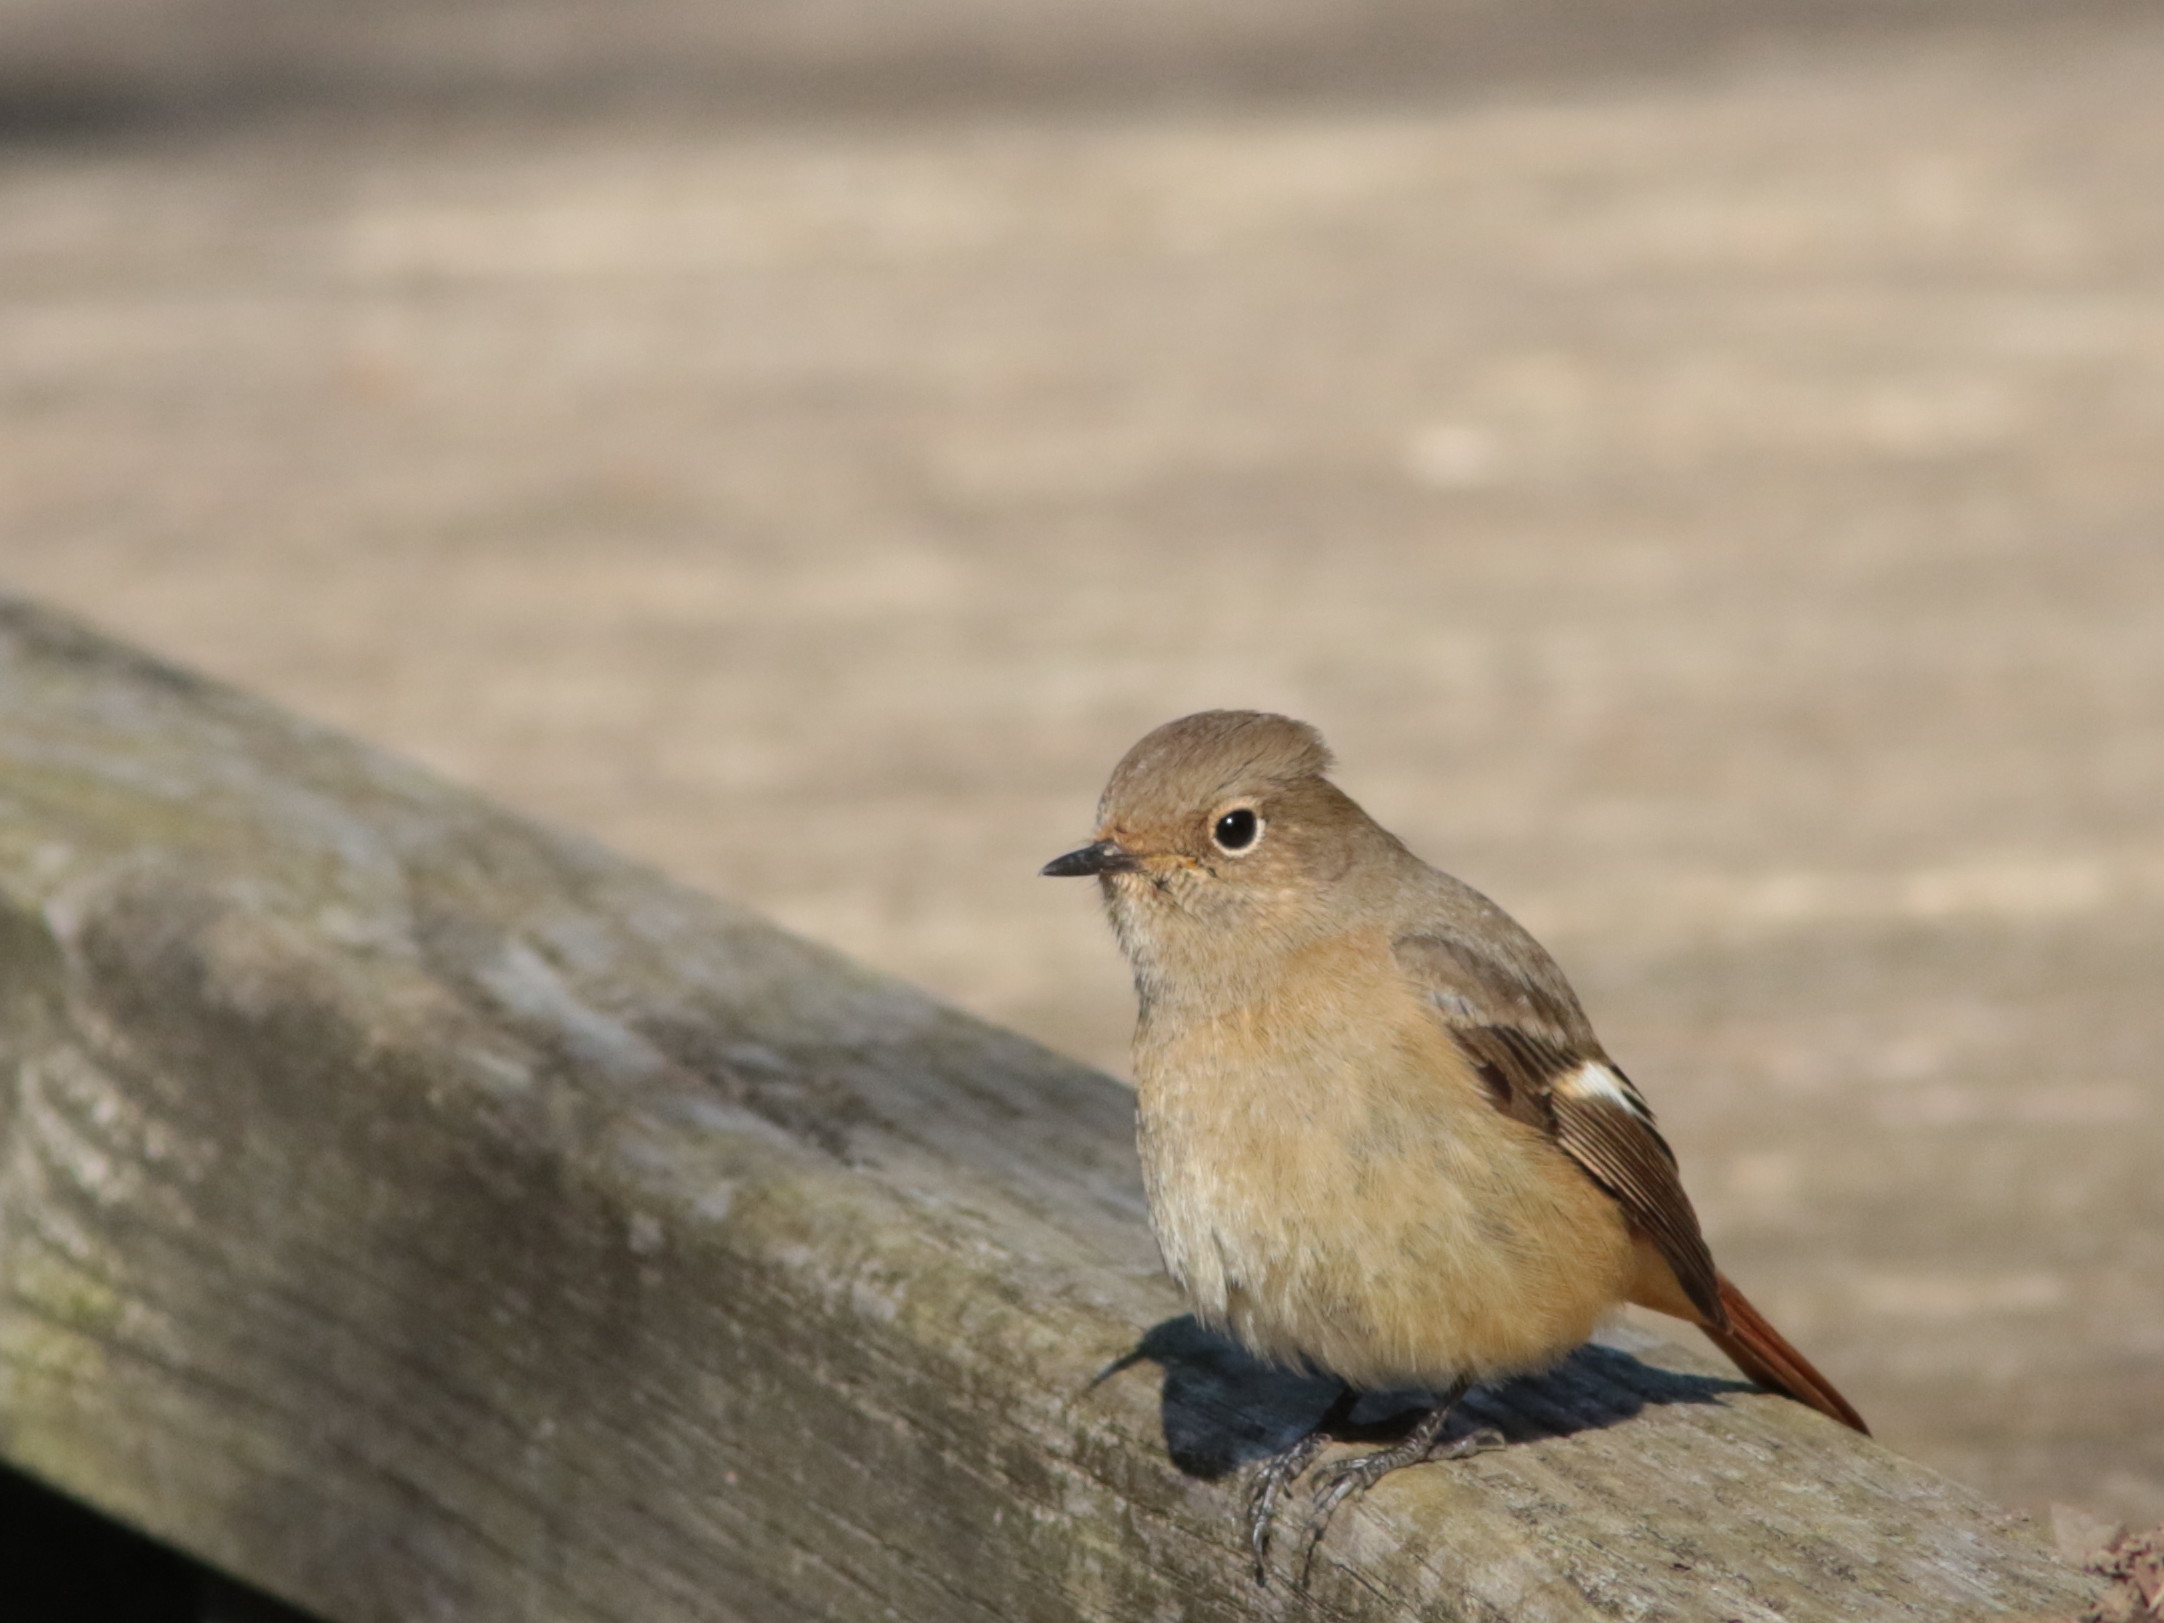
(1236, 830)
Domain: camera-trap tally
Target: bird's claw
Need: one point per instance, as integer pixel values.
(1272, 1478)
(1483, 1441)
(1334, 1484)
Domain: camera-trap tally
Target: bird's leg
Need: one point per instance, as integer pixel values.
(1281, 1470)
(1337, 1483)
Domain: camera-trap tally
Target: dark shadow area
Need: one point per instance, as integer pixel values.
(62, 1562)
(90, 76)
(1222, 1408)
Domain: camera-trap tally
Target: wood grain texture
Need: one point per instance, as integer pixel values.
(420, 1213)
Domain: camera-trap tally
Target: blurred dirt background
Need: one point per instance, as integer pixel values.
(1703, 466)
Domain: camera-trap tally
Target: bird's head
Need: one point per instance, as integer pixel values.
(1223, 822)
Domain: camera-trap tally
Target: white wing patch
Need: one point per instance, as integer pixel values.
(1593, 1080)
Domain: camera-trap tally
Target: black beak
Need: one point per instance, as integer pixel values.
(1105, 856)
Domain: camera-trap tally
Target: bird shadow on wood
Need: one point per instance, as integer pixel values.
(1222, 1408)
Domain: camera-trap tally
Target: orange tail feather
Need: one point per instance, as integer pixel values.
(1762, 1353)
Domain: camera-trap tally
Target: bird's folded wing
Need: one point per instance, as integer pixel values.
(1535, 1051)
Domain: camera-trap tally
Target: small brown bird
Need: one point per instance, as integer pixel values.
(1379, 1137)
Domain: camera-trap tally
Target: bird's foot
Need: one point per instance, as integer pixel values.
(1272, 1478)
(1334, 1484)
(1280, 1471)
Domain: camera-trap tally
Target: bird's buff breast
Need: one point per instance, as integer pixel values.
(1328, 1182)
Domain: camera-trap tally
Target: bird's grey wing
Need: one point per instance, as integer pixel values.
(1534, 1050)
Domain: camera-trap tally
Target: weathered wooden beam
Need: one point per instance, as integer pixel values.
(420, 1213)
